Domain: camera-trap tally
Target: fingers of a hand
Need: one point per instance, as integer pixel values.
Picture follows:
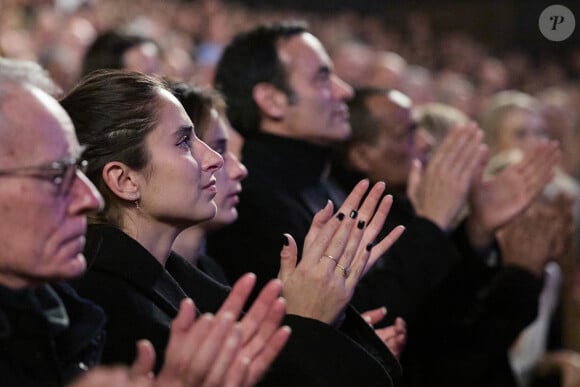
(369, 236)
(320, 219)
(267, 327)
(449, 142)
(335, 233)
(288, 258)
(464, 150)
(238, 295)
(377, 222)
(144, 361)
(181, 351)
(538, 166)
(400, 326)
(414, 180)
(386, 333)
(356, 232)
(238, 374)
(271, 350)
(385, 244)
(478, 174)
(185, 318)
(375, 315)
(475, 164)
(225, 358)
(260, 309)
(211, 345)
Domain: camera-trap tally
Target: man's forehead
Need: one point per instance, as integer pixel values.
(384, 105)
(31, 119)
(301, 49)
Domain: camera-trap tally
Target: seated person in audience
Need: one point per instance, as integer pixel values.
(158, 179)
(117, 50)
(49, 335)
(514, 124)
(442, 266)
(206, 107)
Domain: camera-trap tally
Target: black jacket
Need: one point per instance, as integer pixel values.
(34, 354)
(141, 298)
(462, 312)
(285, 187)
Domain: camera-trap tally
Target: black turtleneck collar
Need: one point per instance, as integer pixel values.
(294, 162)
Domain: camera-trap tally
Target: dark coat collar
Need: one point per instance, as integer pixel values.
(287, 161)
(111, 251)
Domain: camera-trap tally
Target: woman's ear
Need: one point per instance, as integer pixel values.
(271, 101)
(121, 180)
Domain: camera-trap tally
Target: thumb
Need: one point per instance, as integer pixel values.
(144, 361)
(288, 258)
(414, 180)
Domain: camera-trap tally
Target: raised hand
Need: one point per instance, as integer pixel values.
(195, 350)
(221, 351)
(563, 207)
(496, 200)
(338, 251)
(439, 192)
(262, 338)
(527, 241)
(210, 350)
(394, 336)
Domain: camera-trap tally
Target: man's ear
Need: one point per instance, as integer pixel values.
(358, 158)
(122, 181)
(271, 101)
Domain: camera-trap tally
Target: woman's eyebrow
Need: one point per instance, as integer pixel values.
(184, 130)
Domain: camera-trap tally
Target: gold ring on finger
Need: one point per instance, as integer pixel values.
(330, 257)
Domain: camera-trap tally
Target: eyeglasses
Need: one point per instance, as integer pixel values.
(61, 173)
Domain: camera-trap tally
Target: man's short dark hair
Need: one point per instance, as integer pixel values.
(251, 58)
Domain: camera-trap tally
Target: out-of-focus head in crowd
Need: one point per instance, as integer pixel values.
(116, 50)
(384, 140)
(512, 119)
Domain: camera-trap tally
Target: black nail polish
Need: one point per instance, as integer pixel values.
(361, 224)
(340, 216)
(353, 214)
(370, 246)
(286, 242)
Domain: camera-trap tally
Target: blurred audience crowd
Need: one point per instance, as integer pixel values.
(418, 87)
(428, 66)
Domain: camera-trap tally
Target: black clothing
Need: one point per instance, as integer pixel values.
(212, 268)
(37, 352)
(141, 297)
(285, 187)
(462, 312)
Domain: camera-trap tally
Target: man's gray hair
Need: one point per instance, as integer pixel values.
(14, 71)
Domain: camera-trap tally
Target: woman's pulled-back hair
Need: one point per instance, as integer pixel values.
(198, 103)
(113, 111)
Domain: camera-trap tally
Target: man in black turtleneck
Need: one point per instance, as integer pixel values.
(285, 99)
